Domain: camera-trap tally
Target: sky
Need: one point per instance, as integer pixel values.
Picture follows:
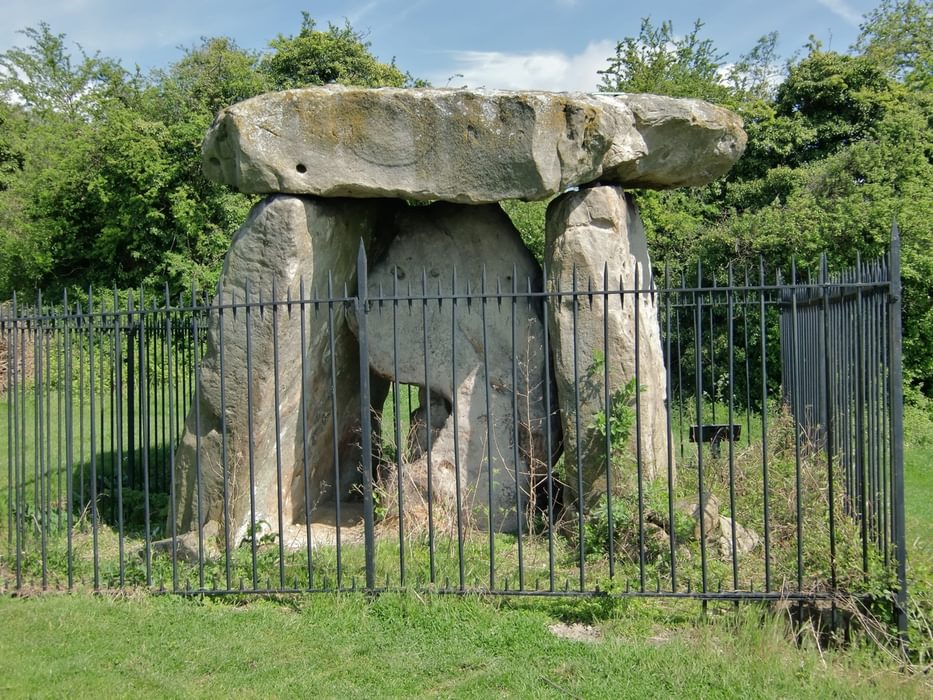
(501, 44)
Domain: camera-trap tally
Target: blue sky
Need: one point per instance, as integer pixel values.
(543, 44)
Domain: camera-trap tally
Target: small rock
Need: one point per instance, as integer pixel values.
(745, 539)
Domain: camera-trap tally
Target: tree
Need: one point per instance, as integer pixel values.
(43, 78)
(100, 170)
(839, 145)
(757, 73)
(215, 74)
(338, 55)
(897, 36)
(659, 61)
(11, 159)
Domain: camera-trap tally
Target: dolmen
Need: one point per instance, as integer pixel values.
(508, 377)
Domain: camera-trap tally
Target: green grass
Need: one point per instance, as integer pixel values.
(406, 646)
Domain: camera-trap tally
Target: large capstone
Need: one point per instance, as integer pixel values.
(478, 361)
(596, 243)
(249, 443)
(465, 146)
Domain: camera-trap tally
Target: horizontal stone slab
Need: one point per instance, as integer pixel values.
(465, 146)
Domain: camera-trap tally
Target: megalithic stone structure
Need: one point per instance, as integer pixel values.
(337, 165)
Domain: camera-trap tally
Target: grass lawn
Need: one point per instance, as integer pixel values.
(403, 645)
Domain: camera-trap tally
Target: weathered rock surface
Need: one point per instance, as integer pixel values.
(285, 240)
(718, 528)
(465, 146)
(746, 539)
(485, 361)
(591, 233)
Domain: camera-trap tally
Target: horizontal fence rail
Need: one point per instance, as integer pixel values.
(441, 432)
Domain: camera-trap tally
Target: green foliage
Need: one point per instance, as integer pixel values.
(11, 159)
(898, 37)
(43, 79)
(100, 170)
(839, 145)
(660, 61)
(338, 55)
(619, 419)
(528, 218)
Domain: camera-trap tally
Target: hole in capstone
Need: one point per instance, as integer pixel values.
(301, 168)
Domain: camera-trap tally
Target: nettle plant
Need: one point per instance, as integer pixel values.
(619, 419)
(612, 425)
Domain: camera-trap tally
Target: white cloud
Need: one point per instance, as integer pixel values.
(842, 9)
(356, 15)
(539, 70)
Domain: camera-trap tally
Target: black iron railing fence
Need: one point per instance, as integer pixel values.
(780, 471)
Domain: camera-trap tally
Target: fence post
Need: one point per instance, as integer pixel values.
(895, 377)
(360, 304)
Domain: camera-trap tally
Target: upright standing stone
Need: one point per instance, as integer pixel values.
(285, 241)
(484, 368)
(590, 231)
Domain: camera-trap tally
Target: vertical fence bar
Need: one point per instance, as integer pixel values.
(305, 434)
(489, 441)
(69, 444)
(698, 381)
(896, 389)
(515, 459)
(669, 301)
(549, 447)
(335, 439)
(796, 404)
(397, 416)
(576, 419)
(9, 344)
(639, 472)
(763, 330)
(886, 417)
(361, 302)
(253, 534)
(860, 412)
(13, 388)
(276, 391)
(144, 427)
(58, 417)
(608, 412)
(730, 331)
(224, 464)
(432, 571)
(167, 391)
(93, 450)
(39, 438)
(455, 406)
(118, 419)
(828, 427)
